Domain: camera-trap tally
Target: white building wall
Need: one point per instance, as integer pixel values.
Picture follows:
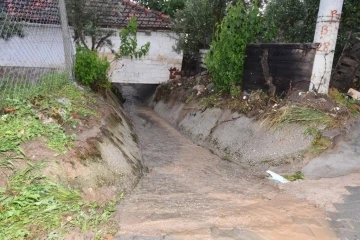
(152, 68)
(42, 47)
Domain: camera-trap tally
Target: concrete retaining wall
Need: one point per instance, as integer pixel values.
(234, 136)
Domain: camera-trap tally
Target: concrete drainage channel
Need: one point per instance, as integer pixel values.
(190, 193)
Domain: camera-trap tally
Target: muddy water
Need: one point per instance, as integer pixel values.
(189, 193)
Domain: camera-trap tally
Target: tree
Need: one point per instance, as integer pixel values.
(225, 60)
(195, 24)
(168, 7)
(9, 28)
(86, 23)
(295, 20)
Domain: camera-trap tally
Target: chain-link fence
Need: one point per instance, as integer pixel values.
(36, 49)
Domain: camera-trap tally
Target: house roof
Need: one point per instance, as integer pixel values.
(110, 13)
(38, 11)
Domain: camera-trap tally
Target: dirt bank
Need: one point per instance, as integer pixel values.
(75, 142)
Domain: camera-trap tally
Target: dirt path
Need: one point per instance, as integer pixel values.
(189, 193)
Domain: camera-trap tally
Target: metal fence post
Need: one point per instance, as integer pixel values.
(66, 37)
(326, 32)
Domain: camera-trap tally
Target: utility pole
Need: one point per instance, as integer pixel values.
(326, 33)
(68, 48)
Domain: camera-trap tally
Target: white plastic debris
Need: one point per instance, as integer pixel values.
(244, 97)
(276, 177)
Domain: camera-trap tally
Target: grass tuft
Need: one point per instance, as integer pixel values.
(344, 100)
(23, 89)
(296, 176)
(23, 125)
(295, 114)
(32, 205)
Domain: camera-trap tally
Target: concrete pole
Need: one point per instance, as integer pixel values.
(326, 32)
(68, 48)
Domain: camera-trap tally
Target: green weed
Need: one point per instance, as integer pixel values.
(32, 205)
(214, 100)
(343, 100)
(296, 176)
(68, 98)
(24, 89)
(319, 143)
(23, 125)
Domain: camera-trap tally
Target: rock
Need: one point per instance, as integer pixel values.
(200, 89)
(354, 94)
(210, 86)
(45, 119)
(198, 79)
(63, 101)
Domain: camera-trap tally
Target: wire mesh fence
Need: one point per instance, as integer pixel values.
(36, 49)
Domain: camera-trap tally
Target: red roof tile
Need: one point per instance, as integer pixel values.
(39, 11)
(111, 13)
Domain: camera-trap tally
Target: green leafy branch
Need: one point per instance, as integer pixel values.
(129, 44)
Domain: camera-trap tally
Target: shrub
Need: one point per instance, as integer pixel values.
(225, 60)
(90, 69)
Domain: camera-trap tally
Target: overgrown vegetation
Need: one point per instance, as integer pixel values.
(226, 58)
(33, 206)
(23, 125)
(195, 22)
(91, 69)
(42, 115)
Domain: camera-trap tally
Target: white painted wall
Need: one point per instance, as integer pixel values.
(42, 46)
(152, 68)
